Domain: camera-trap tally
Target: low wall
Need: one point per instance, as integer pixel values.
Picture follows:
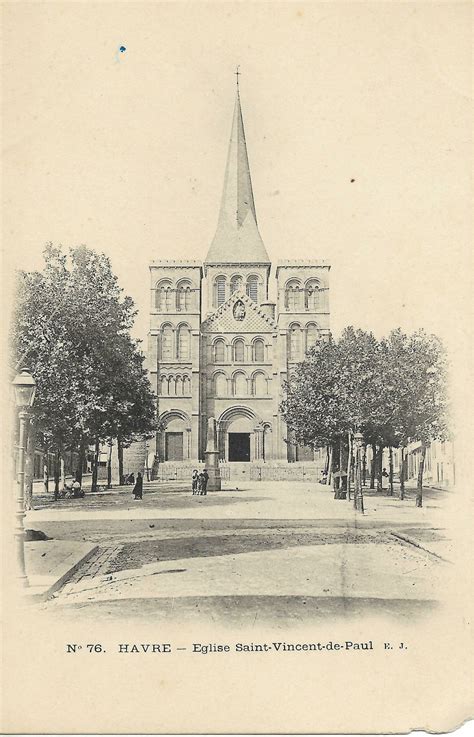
(244, 471)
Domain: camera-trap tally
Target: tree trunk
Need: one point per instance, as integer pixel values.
(62, 470)
(56, 473)
(80, 465)
(390, 471)
(335, 481)
(30, 464)
(419, 486)
(341, 459)
(120, 460)
(402, 473)
(364, 465)
(95, 465)
(373, 465)
(349, 465)
(327, 461)
(379, 468)
(358, 494)
(46, 470)
(109, 467)
(329, 466)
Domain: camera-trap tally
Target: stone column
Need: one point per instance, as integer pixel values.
(280, 375)
(195, 393)
(211, 456)
(258, 444)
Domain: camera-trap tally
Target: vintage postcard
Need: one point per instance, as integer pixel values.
(237, 367)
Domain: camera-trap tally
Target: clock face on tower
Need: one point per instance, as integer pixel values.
(239, 310)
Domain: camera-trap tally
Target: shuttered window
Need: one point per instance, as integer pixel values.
(220, 290)
(252, 288)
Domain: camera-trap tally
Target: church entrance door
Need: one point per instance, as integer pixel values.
(239, 446)
(174, 446)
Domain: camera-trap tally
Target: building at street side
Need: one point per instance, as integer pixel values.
(226, 333)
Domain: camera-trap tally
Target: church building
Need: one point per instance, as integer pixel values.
(226, 333)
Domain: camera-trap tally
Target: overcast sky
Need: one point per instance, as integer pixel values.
(125, 152)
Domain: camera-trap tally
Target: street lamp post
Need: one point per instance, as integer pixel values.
(358, 494)
(24, 387)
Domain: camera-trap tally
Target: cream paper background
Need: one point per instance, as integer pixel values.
(126, 153)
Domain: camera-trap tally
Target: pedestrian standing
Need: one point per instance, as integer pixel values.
(200, 485)
(138, 488)
(195, 481)
(205, 479)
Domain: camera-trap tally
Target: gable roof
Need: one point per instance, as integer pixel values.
(223, 320)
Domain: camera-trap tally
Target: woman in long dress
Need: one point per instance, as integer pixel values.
(138, 488)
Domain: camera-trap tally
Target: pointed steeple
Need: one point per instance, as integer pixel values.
(237, 239)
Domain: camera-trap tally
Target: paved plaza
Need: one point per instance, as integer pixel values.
(275, 552)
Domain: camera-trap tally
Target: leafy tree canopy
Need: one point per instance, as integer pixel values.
(71, 327)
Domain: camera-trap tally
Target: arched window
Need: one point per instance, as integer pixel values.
(258, 350)
(240, 384)
(295, 343)
(292, 295)
(163, 296)
(186, 385)
(219, 351)
(220, 385)
(260, 386)
(311, 295)
(220, 290)
(164, 385)
(183, 296)
(312, 334)
(239, 351)
(184, 341)
(171, 386)
(252, 288)
(236, 283)
(179, 386)
(167, 343)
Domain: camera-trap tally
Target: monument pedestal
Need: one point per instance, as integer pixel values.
(211, 456)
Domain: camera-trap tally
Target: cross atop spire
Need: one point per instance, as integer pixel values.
(237, 74)
(237, 239)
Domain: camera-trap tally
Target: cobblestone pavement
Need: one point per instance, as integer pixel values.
(226, 576)
(171, 545)
(93, 568)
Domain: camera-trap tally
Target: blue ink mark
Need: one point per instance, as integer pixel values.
(120, 50)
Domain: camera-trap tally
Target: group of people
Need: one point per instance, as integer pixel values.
(199, 482)
(72, 489)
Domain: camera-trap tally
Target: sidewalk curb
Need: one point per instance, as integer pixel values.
(33, 597)
(410, 541)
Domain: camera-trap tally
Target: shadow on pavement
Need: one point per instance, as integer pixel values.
(136, 554)
(156, 500)
(231, 611)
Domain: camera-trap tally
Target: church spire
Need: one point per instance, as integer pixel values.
(237, 239)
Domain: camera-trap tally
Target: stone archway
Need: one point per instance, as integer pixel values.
(174, 440)
(239, 431)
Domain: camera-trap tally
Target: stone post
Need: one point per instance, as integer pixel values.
(211, 456)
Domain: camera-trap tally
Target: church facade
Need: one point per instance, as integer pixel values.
(226, 333)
